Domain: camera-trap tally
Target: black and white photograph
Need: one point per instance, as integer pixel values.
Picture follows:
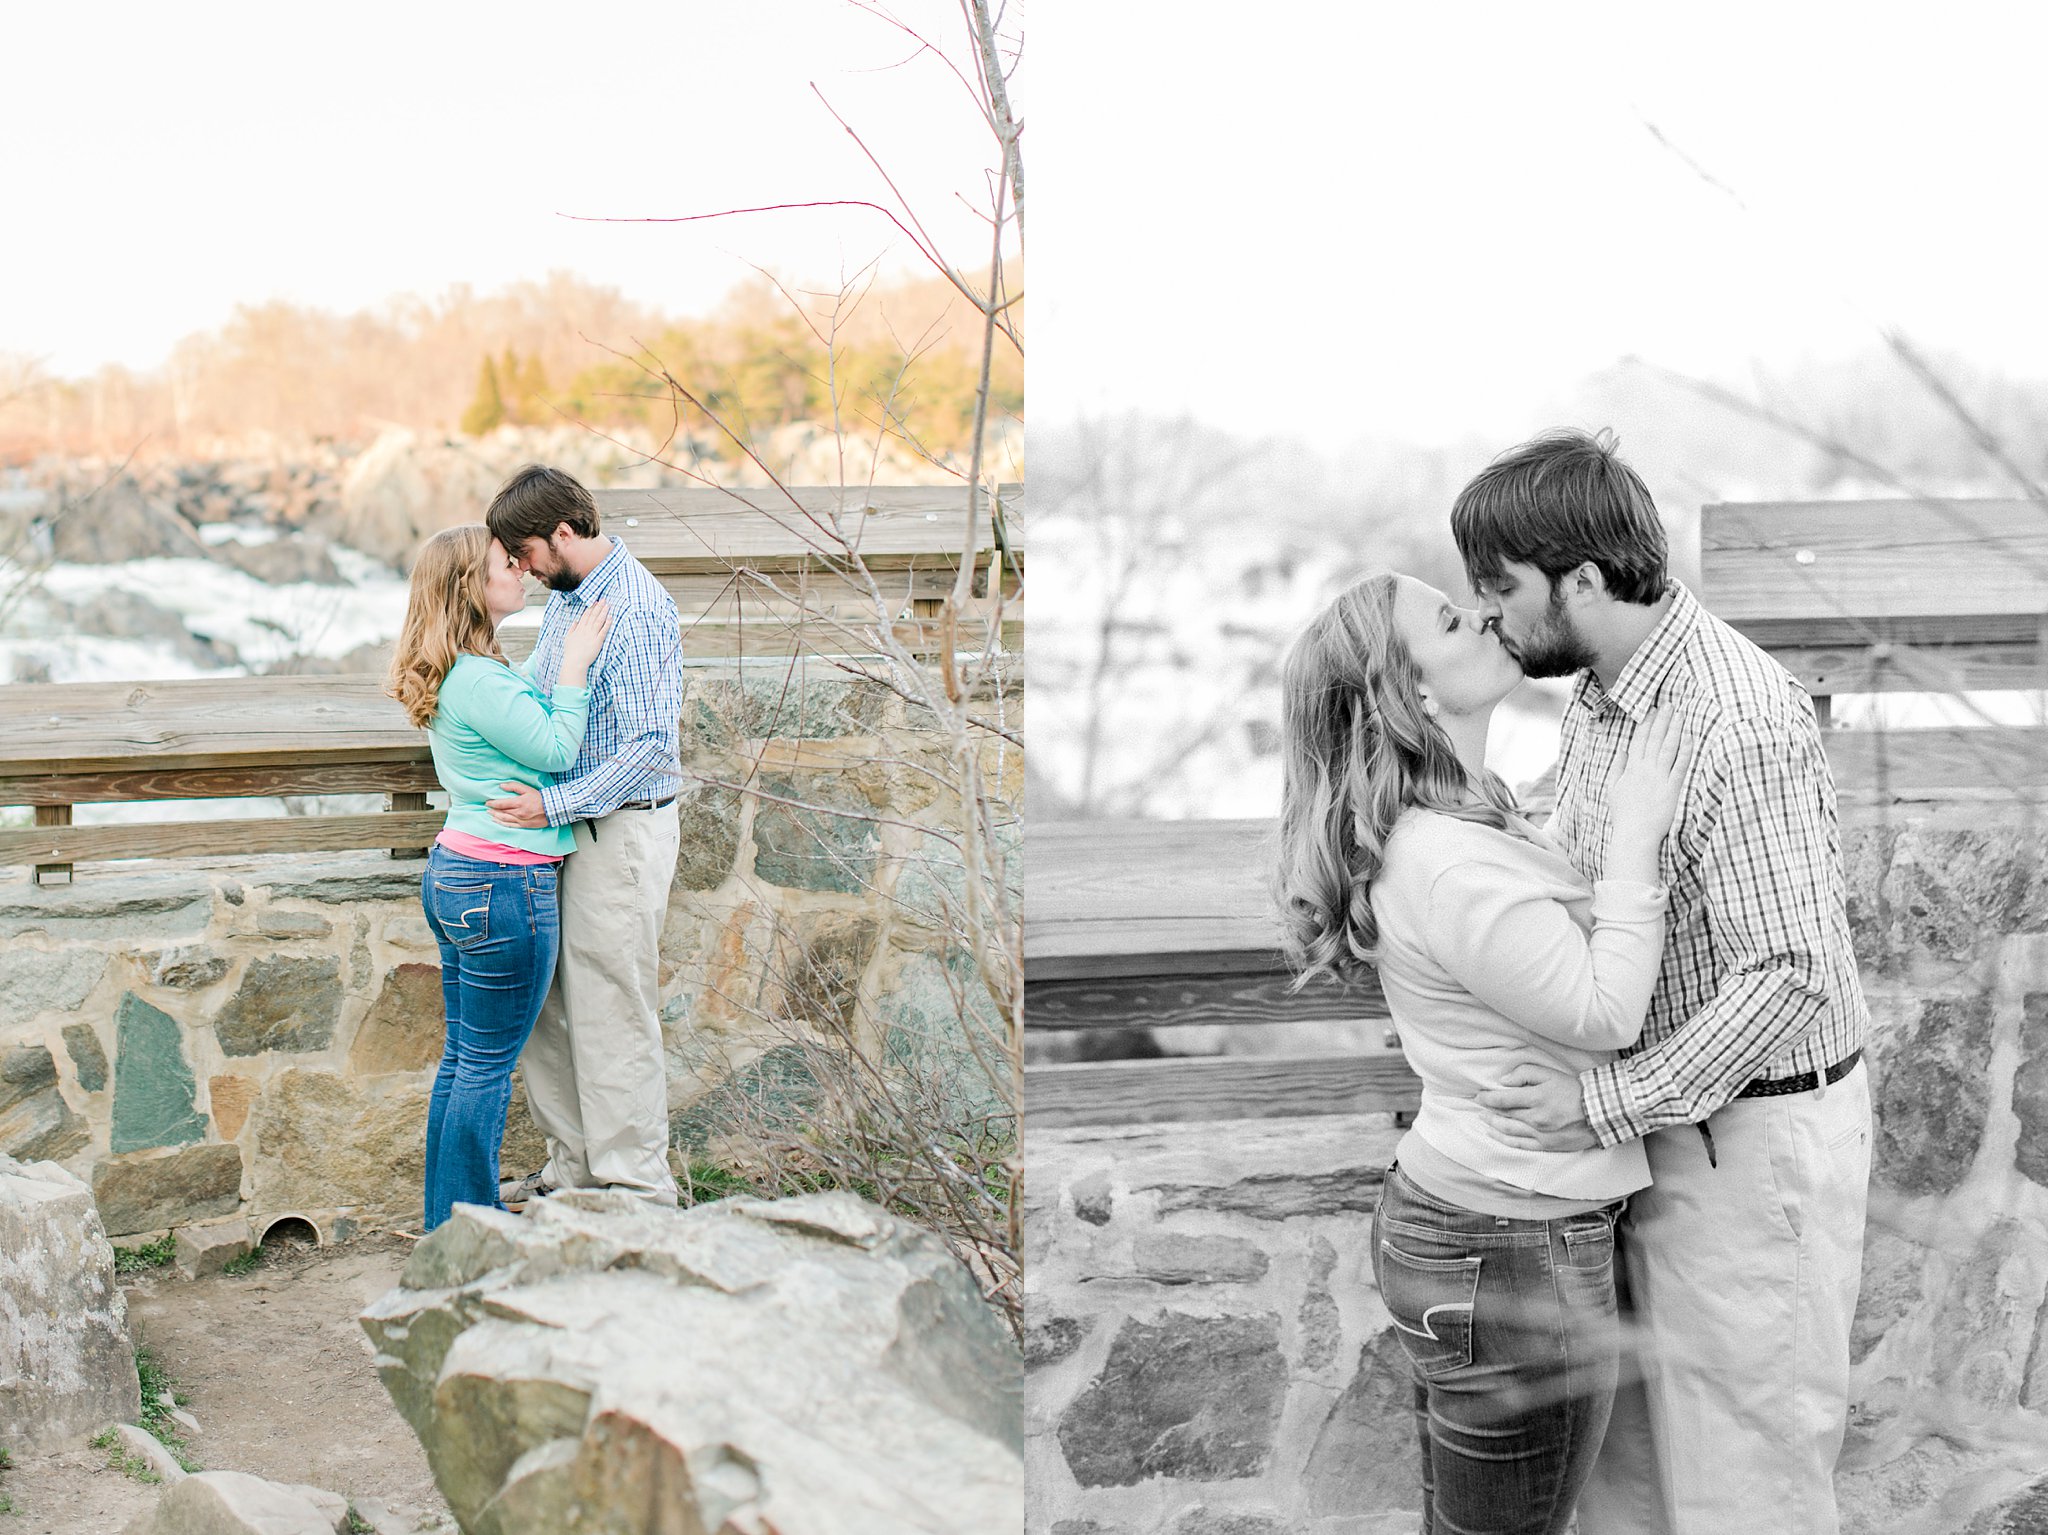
(1537, 1005)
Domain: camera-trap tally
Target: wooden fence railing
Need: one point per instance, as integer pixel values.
(64, 745)
(1152, 926)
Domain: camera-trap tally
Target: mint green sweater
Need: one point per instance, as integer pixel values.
(492, 727)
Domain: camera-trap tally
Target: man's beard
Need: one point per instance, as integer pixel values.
(1556, 648)
(561, 579)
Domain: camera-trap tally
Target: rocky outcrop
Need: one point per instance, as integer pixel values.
(812, 1366)
(66, 1368)
(116, 522)
(235, 1503)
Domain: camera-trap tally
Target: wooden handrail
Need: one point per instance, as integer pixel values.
(717, 552)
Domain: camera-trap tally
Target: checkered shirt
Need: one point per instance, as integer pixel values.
(636, 691)
(1758, 977)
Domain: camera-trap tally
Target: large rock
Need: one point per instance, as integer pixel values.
(66, 1369)
(117, 523)
(298, 558)
(235, 1503)
(811, 1366)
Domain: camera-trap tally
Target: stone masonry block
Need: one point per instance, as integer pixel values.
(203, 1250)
(1178, 1258)
(1194, 1398)
(1933, 1095)
(34, 981)
(156, 1193)
(36, 1123)
(154, 1090)
(88, 1058)
(285, 1002)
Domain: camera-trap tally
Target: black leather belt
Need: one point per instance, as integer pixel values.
(1805, 1082)
(657, 804)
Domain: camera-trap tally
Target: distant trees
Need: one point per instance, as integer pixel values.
(487, 411)
(470, 362)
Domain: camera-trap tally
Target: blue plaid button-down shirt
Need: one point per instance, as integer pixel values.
(1759, 977)
(636, 691)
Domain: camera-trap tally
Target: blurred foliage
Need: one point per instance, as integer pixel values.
(901, 356)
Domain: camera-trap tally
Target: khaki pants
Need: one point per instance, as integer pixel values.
(1739, 1285)
(596, 1081)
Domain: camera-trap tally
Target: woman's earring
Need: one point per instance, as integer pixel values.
(1429, 707)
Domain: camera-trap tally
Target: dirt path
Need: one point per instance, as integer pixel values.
(280, 1378)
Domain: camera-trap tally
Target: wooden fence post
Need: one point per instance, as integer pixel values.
(407, 800)
(46, 873)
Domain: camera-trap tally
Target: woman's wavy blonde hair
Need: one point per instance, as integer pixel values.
(446, 615)
(1356, 750)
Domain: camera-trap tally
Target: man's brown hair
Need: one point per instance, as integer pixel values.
(1558, 502)
(534, 502)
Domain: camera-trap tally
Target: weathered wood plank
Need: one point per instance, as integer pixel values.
(1965, 761)
(676, 530)
(729, 592)
(1173, 999)
(768, 637)
(273, 834)
(1207, 1088)
(218, 783)
(1105, 897)
(201, 722)
(1824, 573)
(1890, 668)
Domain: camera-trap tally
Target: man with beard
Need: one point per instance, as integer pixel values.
(1740, 1264)
(595, 1078)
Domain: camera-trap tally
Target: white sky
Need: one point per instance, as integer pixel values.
(163, 163)
(1419, 220)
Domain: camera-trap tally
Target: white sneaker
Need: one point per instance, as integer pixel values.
(517, 1194)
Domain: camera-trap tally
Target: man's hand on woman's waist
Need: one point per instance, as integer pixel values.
(522, 809)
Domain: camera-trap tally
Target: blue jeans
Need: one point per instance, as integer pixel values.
(1510, 1327)
(499, 928)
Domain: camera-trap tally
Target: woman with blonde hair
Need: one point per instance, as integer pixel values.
(1400, 851)
(489, 889)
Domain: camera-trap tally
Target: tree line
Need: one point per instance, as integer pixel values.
(560, 350)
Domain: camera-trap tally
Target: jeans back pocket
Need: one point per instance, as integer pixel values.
(1431, 1301)
(464, 912)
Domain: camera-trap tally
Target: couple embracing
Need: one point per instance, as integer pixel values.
(1622, 1241)
(547, 887)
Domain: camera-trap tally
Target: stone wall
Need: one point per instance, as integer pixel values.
(1208, 1355)
(216, 1038)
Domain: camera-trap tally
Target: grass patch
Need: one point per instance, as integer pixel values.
(133, 1467)
(248, 1263)
(357, 1524)
(150, 1255)
(157, 1421)
(704, 1182)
